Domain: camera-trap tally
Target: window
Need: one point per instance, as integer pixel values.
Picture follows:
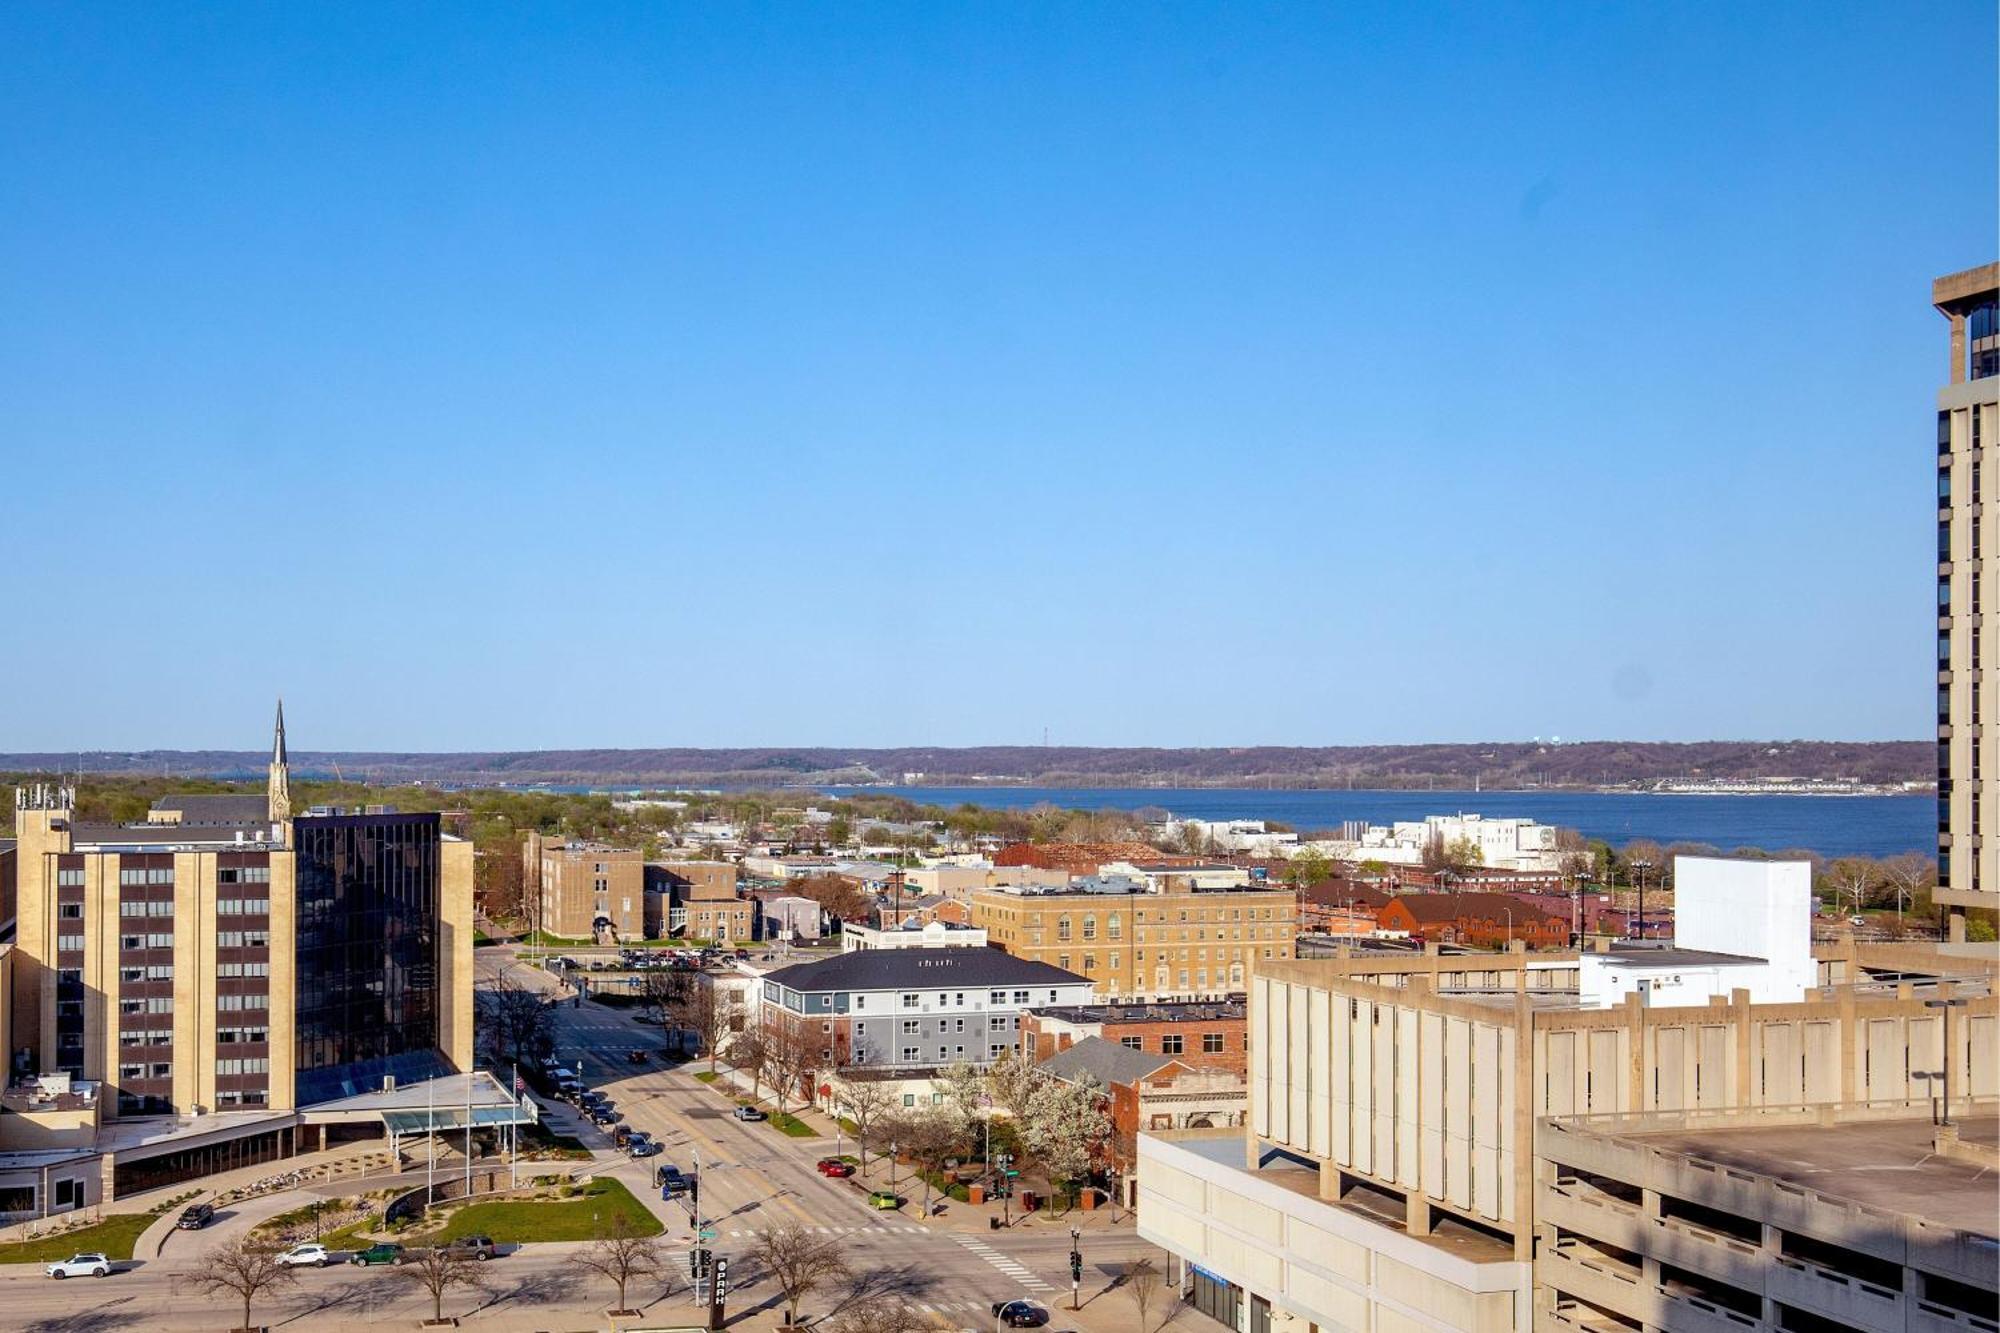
(1090, 927)
(1171, 1044)
(70, 942)
(912, 1026)
(910, 1001)
(1132, 1043)
(909, 1099)
(1112, 929)
(1211, 1043)
(910, 1056)
(1021, 997)
(996, 997)
(1062, 961)
(1062, 930)
(70, 912)
(71, 878)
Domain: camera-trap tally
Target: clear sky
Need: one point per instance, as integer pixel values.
(597, 375)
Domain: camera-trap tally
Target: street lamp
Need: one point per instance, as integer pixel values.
(1642, 867)
(1947, 1005)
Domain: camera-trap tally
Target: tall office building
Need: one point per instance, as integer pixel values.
(1968, 417)
(223, 955)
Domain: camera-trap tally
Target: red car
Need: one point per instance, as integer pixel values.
(835, 1169)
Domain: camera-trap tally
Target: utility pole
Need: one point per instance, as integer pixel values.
(1641, 867)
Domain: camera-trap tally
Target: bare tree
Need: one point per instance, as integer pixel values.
(1911, 875)
(1142, 1283)
(1854, 878)
(795, 1056)
(662, 990)
(244, 1269)
(700, 1010)
(439, 1270)
(749, 1052)
(929, 1137)
(517, 1021)
(866, 1102)
(623, 1257)
(800, 1262)
(881, 1314)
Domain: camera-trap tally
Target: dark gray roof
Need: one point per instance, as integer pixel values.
(1108, 1062)
(885, 969)
(229, 809)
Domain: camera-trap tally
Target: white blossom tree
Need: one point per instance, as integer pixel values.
(1065, 1126)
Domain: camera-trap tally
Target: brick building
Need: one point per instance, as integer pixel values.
(1485, 920)
(1201, 1035)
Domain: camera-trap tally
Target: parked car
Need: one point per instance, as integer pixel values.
(638, 1143)
(603, 1115)
(835, 1169)
(884, 1199)
(311, 1254)
(670, 1181)
(481, 1248)
(384, 1253)
(750, 1113)
(90, 1263)
(196, 1216)
(1021, 1314)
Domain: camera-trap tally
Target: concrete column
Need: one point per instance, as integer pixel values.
(1416, 1214)
(1957, 349)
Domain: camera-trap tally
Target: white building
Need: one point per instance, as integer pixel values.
(936, 935)
(1234, 835)
(1504, 844)
(1738, 925)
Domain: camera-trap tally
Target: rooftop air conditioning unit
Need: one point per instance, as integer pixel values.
(388, 1082)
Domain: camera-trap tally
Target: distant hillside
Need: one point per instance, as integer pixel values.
(1497, 765)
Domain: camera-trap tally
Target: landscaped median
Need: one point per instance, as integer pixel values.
(550, 1208)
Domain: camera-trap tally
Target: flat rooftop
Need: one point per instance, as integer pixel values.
(1886, 1164)
(1670, 957)
(1449, 1234)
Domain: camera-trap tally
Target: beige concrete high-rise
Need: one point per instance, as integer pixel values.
(1968, 416)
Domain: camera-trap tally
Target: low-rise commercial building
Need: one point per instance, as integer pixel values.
(697, 900)
(1483, 920)
(1135, 942)
(912, 934)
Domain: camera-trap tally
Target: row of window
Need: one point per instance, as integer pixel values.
(243, 969)
(152, 1004)
(234, 1003)
(260, 1065)
(70, 877)
(145, 874)
(141, 907)
(229, 1035)
(1174, 1043)
(242, 906)
(159, 1069)
(243, 875)
(165, 941)
(243, 939)
(915, 1054)
(255, 1097)
(154, 972)
(146, 1037)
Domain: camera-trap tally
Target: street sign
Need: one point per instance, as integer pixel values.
(706, 1233)
(721, 1280)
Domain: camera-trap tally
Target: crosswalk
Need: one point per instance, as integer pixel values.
(1013, 1268)
(880, 1230)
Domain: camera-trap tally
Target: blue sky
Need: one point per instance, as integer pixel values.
(732, 374)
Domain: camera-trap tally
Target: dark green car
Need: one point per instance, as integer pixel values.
(384, 1253)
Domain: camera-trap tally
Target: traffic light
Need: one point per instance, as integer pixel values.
(694, 1191)
(1075, 1266)
(697, 1263)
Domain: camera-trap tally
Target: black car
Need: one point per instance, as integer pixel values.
(196, 1216)
(603, 1115)
(1020, 1314)
(671, 1181)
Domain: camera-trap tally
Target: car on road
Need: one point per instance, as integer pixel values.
(384, 1253)
(1020, 1314)
(195, 1216)
(91, 1263)
(636, 1057)
(603, 1115)
(480, 1248)
(670, 1180)
(750, 1113)
(310, 1254)
(835, 1169)
(884, 1199)
(639, 1143)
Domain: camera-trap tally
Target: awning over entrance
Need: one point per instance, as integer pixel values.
(442, 1119)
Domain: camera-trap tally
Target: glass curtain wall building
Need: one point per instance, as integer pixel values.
(368, 962)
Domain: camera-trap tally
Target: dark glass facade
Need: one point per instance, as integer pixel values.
(1982, 326)
(367, 1002)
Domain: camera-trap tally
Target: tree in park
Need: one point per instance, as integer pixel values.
(243, 1269)
(624, 1257)
(799, 1262)
(440, 1270)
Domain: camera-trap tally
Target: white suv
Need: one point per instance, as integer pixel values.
(88, 1264)
(309, 1255)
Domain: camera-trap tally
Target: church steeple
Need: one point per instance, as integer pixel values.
(280, 788)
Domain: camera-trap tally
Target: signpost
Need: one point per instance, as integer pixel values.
(719, 1293)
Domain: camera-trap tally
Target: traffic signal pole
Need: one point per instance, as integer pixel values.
(1075, 1269)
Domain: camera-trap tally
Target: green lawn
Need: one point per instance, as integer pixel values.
(115, 1235)
(707, 1076)
(587, 1217)
(788, 1124)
